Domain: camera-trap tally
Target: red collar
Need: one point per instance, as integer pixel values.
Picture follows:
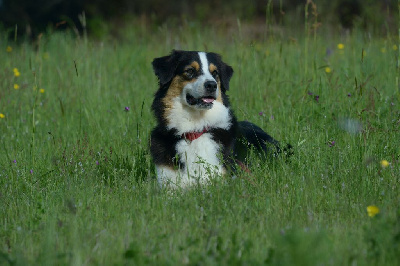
(194, 135)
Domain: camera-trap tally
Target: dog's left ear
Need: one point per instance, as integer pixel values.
(164, 67)
(226, 72)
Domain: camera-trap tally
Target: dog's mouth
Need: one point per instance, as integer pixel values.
(202, 102)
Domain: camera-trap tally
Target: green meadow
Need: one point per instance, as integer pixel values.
(77, 182)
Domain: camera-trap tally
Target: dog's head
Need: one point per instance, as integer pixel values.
(197, 78)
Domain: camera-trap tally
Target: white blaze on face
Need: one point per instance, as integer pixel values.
(204, 67)
(206, 73)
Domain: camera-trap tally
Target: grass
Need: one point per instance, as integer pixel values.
(76, 177)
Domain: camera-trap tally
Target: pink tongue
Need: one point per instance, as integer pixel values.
(208, 100)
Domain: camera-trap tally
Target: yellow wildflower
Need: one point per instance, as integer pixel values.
(394, 47)
(9, 49)
(17, 74)
(340, 46)
(372, 210)
(383, 50)
(16, 86)
(328, 70)
(384, 163)
(41, 90)
(46, 55)
(2, 115)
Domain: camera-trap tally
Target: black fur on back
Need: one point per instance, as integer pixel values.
(251, 136)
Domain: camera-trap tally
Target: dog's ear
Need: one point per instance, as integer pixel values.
(225, 72)
(164, 67)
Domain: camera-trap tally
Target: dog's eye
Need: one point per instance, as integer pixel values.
(189, 72)
(215, 74)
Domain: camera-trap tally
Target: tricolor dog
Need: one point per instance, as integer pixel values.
(197, 136)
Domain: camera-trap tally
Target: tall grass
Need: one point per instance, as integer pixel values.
(89, 197)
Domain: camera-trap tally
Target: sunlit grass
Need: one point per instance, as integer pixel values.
(76, 177)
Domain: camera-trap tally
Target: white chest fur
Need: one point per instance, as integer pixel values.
(201, 156)
(201, 163)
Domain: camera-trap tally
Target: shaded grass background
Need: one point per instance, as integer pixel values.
(76, 176)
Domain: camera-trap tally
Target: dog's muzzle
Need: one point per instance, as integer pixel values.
(206, 100)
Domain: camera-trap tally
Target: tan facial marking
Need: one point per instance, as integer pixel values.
(219, 97)
(212, 68)
(174, 90)
(195, 65)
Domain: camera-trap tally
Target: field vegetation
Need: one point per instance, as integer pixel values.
(77, 182)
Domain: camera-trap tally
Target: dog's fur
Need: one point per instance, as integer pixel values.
(197, 136)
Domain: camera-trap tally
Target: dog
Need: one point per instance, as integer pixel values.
(197, 137)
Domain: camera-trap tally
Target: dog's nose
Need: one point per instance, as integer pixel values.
(210, 86)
